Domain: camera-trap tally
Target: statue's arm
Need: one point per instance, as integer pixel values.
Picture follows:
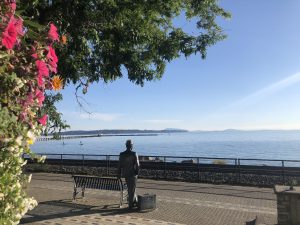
(137, 164)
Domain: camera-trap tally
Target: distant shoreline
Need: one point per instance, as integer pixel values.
(121, 132)
(74, 136)
(108, 133)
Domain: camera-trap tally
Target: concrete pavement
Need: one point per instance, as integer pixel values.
(177, 203)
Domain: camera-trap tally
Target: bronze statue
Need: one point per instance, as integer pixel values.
(129, 169)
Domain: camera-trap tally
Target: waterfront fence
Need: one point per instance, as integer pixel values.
(264, 172)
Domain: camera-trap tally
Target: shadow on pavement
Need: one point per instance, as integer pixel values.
(228, 190)
(67, 208)
(199, 190)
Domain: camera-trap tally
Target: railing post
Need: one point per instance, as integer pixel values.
(283, 172)
(108, 164)
(198, 162)
(61, 162)
(82, 162)
(239, 168)
(236, 168)
(165, 165)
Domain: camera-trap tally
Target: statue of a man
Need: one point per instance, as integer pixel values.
(129, 169)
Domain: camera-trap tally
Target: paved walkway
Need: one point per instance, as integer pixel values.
(177, 203)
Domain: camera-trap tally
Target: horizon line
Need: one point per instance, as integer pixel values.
(188, 130)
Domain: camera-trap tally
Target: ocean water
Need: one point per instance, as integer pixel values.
(282, 145)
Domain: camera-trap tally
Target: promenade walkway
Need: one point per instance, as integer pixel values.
(177, 203)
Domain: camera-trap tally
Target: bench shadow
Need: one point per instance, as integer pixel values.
(67, 208)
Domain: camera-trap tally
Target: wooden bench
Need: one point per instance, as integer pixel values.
(101, 183)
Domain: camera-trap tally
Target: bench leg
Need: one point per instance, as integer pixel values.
(74, 193)
(121, 199)
(82, 192)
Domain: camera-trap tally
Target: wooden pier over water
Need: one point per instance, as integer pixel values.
(50, 138)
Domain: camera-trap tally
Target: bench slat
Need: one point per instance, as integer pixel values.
(98, 183)
(93, 182)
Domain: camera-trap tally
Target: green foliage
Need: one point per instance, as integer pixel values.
(55, 123)
(14, 135)
(108, 39)
(22, 83)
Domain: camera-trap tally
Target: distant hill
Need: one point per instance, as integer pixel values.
(91, 132)
(174, 130)
(239, 131)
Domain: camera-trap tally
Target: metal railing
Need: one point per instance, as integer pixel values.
(239, 168)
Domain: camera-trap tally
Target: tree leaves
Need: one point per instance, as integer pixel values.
(140, 36)
(55, 123)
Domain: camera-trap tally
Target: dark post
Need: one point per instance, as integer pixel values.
(198, 162)
(82, 162)
(283, 172)
(61, 162)
(108, 164)
(236, 169)
(239, 166)
(165, 165)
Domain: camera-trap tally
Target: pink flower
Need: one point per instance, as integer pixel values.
(52, 34)
(42, 68)
(40, 96)
(52, 59)
(18, 25)
(9, 36)
(40, 80)
(43, 120)
(13, 6)
(11, 3)
(34, 55)
(42, 71)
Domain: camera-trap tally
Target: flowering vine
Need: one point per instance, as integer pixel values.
(27, 69)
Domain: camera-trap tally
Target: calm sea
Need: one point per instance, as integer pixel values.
(236, 144)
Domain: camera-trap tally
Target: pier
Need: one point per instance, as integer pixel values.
(51, 138)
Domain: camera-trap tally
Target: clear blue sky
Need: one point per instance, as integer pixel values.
(251, 80)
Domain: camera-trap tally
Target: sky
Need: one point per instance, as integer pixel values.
(249, 81)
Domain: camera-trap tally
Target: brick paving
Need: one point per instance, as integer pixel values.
(177, 203)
